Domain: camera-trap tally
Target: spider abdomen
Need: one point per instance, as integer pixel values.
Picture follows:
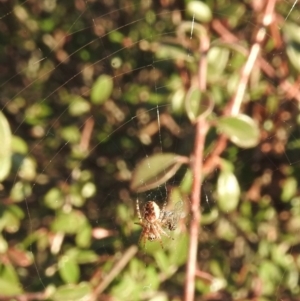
(151, 212)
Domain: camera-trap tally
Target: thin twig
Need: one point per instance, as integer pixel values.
(197, 164)
(201, 130)
(86, 134)
(234, 105)
(236, 102)
(118, 267)
(291, 90)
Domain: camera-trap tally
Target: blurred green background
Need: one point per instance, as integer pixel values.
(90, 89)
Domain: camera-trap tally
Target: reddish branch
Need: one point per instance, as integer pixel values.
(201, 130)
(198, 167)
(234, 105)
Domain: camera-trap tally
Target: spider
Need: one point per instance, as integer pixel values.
(152, 222)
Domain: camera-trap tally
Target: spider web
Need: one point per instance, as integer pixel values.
(137, 120)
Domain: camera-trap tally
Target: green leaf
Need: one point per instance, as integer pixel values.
(9, 282)
(178, 255)
(187, 182)
(289, 189)
(102, 89)
(83, 237)
(27, 170)
(240, 129)
(69, 223)
(18, 145)
(86, 256)
(20, 191)
(3, 245)
(155, 170)
(169, 51)
(228, 191)
(73, 292)
(200, 11)
(291, 32)
(162, 260)
(71, 134)
(271, 275)
(54, 198)
(198, 104)
(78, 106)
(5, 149)
(10, 218)
(88, 190)
(68, 269)
(217, 58)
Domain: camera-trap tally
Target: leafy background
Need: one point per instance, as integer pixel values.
(82, 86)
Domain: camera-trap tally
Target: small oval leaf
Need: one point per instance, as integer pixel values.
(198, 104)
(291, 32)
(102, 89)
(155, 170)
(69, 223)
(5, 149)
(200, 11)
(240, 129)
(83, 237)
(78, 106)
(9, 281)
(68, 269)
(228, 191)
(73, 292)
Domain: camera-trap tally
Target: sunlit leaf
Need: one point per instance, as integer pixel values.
(240, 129)
(155, 170)
(198, 104)
(177, 101)
(20, 191)
(217, 61)
(78, 106)
(69, 223)
(102, 89)
(289, 189)
(5, 149)
(18, 145)
(10, 218)
(178, 255)
(73, 292)
(9, 282)
(291, 31)
(86, 256)
(3, 245)
(169, 51)
(68, 269)
(228, 191)
(83, 237)
(54, 198)
(187, 182)
(270, 274)
(200, 10)
(162, 260)
(27, 170)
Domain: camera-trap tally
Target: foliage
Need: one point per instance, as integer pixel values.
(99, 101)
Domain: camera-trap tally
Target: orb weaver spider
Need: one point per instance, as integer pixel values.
(155, 219)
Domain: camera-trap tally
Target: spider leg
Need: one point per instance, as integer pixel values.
(144, 235)
(155, 229)
(138, 211)
(161, 230)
